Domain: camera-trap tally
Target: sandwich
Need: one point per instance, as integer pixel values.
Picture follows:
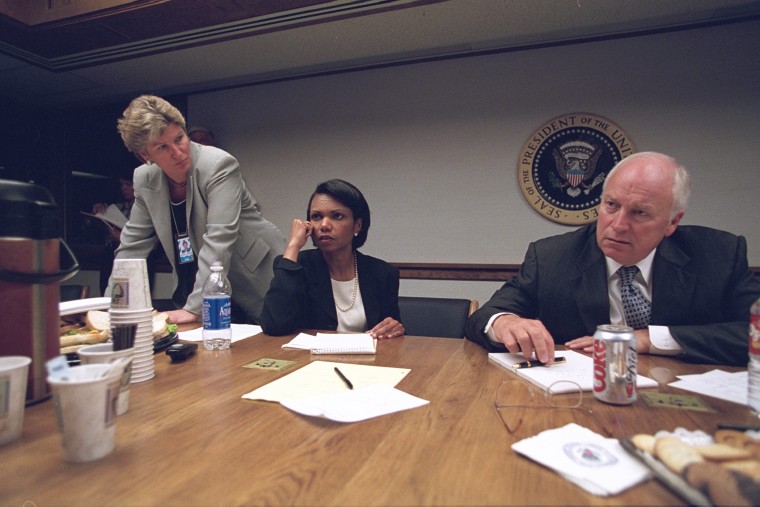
(95, 328)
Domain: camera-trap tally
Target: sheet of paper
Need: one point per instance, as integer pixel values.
(112, 215)
(578, 368)
(716, 383)
(355, 405)
(83, 305)
(239, 332)
(319, 377)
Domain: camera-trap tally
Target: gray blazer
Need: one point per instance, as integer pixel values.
(224, 225)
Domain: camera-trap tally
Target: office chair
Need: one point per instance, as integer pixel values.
(443, 317)
(72, 292)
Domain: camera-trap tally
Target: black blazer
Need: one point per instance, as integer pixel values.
(702, 290)
(300, 295)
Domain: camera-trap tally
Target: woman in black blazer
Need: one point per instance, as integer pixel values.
(334, 287)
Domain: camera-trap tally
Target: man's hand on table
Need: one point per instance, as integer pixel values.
(524, 335)
(586, 343)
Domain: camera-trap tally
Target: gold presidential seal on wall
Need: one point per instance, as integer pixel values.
(564, 162)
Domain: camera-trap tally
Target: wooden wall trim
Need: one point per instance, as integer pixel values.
(472, 272)
(89, 259)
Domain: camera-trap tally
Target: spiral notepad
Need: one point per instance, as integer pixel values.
(323, 343)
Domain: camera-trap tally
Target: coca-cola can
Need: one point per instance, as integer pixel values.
(615, 361)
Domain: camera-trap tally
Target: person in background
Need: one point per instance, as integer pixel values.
(126, 188)
(332, 287)
(695, 280)
(201, 135)
(187, 192)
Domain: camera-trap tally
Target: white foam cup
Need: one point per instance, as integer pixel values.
(104, 353)
(14, 372)
(129, 285)
(86, 399)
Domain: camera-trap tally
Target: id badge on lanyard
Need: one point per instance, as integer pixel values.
(184, 250)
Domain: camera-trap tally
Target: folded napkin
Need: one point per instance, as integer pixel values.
(597, 464)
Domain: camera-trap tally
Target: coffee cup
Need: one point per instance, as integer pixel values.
(14, 371)
(129, 285)
(86, 399)
(104, 353)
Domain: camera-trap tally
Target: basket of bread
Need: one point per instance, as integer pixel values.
(88, 328)
(720, 470)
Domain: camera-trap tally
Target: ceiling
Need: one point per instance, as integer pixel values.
(64, 53)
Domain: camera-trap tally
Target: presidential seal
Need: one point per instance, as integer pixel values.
(563, 165)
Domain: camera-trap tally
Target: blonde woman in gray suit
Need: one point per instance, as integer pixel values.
(192, 199)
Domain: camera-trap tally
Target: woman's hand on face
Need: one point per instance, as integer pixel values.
(181, 317)
(300, 231)
(388, 328)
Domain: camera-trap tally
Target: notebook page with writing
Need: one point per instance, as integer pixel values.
(578, 368)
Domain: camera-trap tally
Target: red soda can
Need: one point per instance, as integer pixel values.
(615, 362)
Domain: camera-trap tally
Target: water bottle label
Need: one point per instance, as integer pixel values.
(754, 333)
(217, 313)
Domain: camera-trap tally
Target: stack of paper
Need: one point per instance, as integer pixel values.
(317, 390)
(239, 332)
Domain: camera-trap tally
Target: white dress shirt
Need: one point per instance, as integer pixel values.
(662, 342)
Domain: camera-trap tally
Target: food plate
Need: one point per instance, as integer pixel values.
(83, 305)
(164, 343)
(667, 477)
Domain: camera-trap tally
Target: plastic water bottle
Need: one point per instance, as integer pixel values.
(753, 368)
(217, 310)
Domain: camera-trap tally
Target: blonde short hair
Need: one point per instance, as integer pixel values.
(145, 119)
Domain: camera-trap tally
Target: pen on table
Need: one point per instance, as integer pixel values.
(535, 362)
(343, 378)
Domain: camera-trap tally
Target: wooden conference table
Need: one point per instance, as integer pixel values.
(189, 439)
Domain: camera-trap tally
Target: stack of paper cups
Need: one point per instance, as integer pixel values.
(131, 304)
(142, 362)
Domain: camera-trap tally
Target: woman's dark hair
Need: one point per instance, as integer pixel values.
(350, 197)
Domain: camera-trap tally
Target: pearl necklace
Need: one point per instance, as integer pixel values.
(356, 289)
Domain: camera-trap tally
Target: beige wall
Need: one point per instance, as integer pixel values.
(434, 146)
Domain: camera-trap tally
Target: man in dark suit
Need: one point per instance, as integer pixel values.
(695, 280)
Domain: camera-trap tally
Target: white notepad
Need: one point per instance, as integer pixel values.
(578, 368)
(342, 343)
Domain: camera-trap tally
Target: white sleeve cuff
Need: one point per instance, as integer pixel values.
(489, 327)
(662, 343)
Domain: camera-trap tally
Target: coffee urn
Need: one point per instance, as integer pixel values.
(30, 272)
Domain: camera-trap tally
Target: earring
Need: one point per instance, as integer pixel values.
(356, 234)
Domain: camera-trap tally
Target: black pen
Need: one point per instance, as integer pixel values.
(535, 362)
(344, 379)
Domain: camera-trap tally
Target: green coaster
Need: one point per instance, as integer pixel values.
(266, 363)
(677, 401)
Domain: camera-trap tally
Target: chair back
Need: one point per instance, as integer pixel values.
(426, 316)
